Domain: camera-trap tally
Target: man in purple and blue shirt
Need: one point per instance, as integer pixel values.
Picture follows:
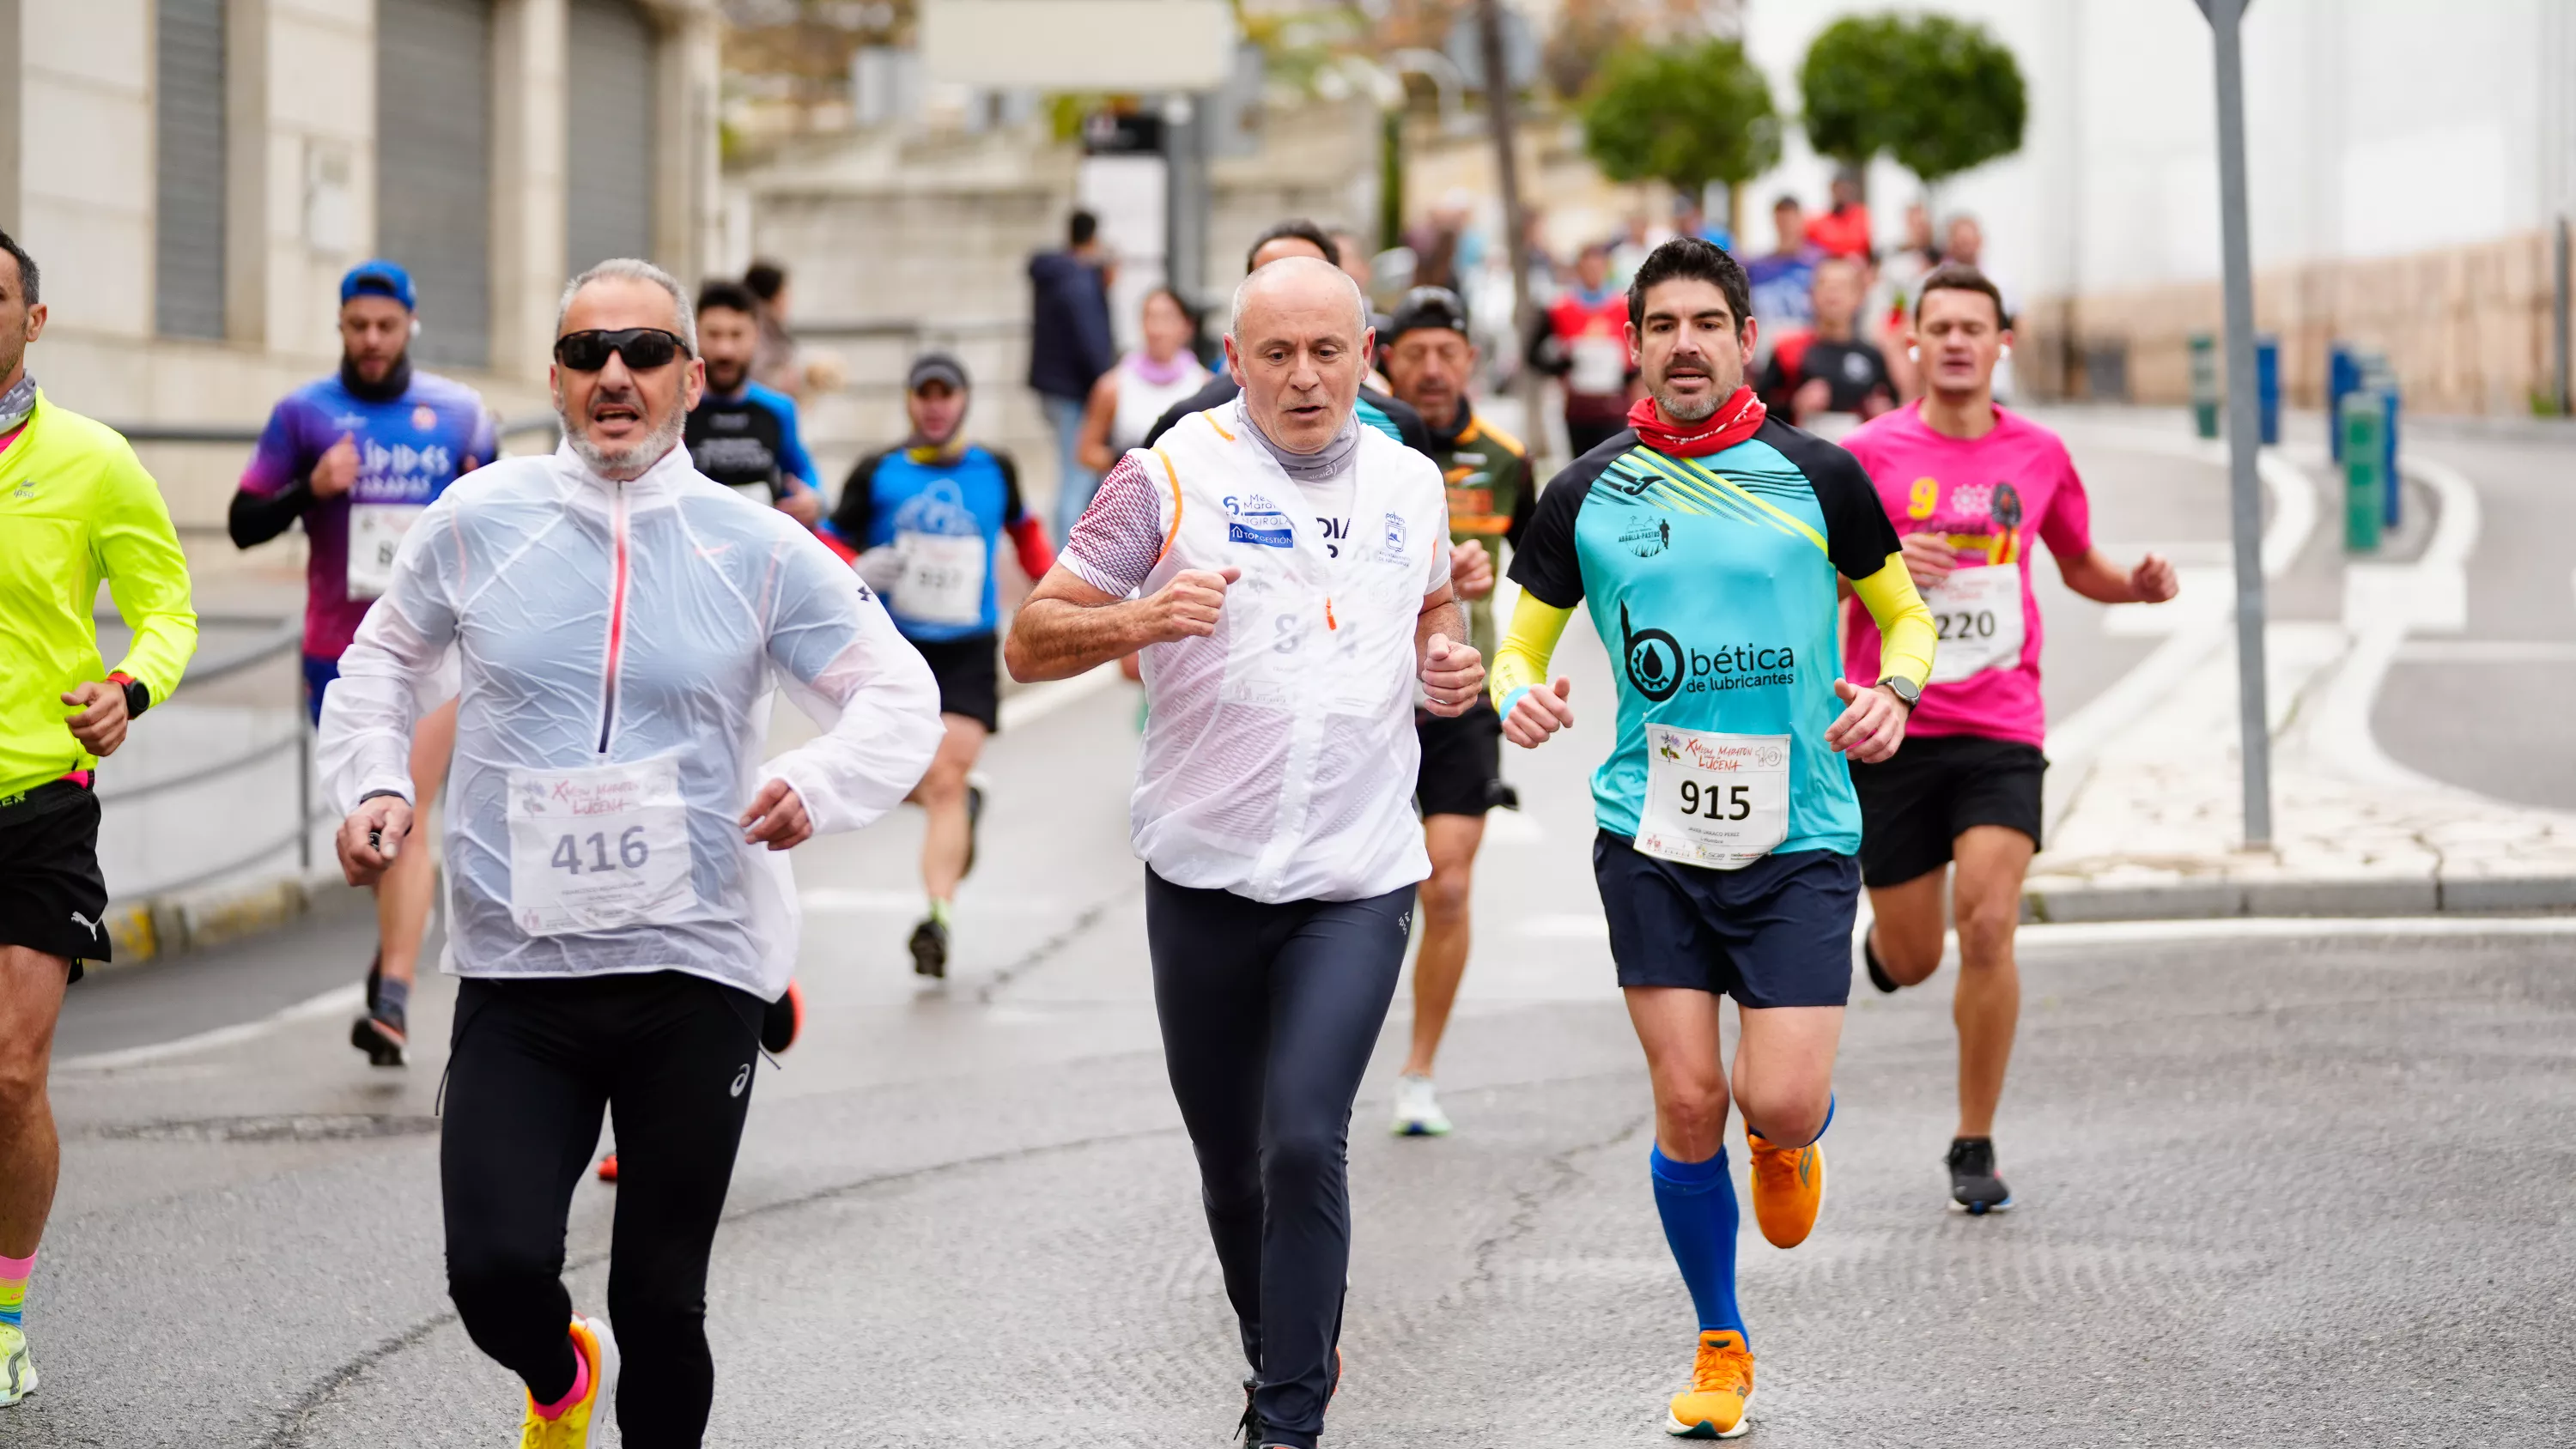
(356, 457)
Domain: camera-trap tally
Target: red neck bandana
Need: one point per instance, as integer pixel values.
(1735, 420)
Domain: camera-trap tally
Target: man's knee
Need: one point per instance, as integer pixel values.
(1692, 1115)
(1986, 925)
(1788, 1118)
(943, 784)
(1303, 1157)
(1444, 896)
(493, 1285)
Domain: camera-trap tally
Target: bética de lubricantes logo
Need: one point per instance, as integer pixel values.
(1660, 667)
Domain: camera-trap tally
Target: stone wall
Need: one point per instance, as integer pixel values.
(2468, 329)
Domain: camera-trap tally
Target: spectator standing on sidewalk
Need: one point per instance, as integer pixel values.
(1070, 346)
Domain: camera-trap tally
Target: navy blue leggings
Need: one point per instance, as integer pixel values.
(1269, 1014)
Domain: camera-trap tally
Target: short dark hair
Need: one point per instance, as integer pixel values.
(30, 280)
(732, 296)
(1688, 258)
(765, 279)
(1303, 230)
(1786, 201)
(1960, 277)
(1080, 228)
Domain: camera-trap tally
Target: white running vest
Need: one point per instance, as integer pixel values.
(1279, 754)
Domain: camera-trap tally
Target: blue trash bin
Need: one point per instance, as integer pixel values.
(2343, 375)
(2267, 386)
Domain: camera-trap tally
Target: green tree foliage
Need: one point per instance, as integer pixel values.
(1940, 95)
(1683, 115)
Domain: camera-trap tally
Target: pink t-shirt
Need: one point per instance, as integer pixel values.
(1988, 496)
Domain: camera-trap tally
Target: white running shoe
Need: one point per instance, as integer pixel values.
(17, 1370)
(1417, 1111)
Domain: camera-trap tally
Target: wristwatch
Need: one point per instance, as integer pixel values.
(138, 696)
(1907, 692)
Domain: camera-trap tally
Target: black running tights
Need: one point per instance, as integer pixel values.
(531, 1066)
(1269, 1013)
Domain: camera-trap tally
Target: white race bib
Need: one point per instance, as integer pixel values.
(943, 578)
(1715, 800)
(1600, 366)
(599, 849)
(375, 535)
(1978, 613)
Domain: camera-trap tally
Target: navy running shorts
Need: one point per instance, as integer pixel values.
(1776, 933)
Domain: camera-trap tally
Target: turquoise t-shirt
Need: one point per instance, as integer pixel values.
(1712, 584)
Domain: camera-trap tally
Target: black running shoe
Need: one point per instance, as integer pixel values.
(1869, 958)
(1252, 1428)
(974, 818)
(1974, 1187)
(380, 1035)
(783, 1020)
(930, 949)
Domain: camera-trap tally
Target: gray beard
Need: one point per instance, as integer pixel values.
(627, 463)
(1694, 412)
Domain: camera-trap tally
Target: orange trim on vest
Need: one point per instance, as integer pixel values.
(1174, 531)
(1210, 415)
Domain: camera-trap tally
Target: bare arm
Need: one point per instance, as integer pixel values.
(1067, 627)
(1440, 615)
(2093, 575)
(1451, 671)
(1093, 446)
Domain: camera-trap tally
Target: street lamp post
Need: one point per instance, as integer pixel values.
(2226, 26)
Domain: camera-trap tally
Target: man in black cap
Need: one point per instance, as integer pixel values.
(1429, 360)
(927, 518)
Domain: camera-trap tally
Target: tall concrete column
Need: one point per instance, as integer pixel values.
(246, 171)
(13, 88)
(688, 67)
(528, 87)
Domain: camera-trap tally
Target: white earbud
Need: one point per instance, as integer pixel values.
(415, 327)
(2006, 350)
(1913, 353)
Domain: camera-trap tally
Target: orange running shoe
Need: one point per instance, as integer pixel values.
(1721, 1389)
(1788, 1189)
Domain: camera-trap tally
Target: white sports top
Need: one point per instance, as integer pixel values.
(1142, 403)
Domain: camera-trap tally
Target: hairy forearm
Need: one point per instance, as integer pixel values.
(1058, 639)
(1441, 618)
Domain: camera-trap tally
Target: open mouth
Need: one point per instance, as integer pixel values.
(615, 414)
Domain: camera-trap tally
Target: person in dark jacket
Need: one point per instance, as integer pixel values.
(1300, 238)
(1070, 346)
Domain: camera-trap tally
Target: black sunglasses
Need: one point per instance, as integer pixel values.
(644, 348)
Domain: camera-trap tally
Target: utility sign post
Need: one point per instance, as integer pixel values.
(2244, 422)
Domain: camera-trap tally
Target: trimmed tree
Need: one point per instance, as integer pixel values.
(1683, 115)
(1938, 94)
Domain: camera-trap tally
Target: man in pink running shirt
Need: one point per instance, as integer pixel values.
(1967, 485)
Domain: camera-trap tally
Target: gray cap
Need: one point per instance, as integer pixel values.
(935, 367)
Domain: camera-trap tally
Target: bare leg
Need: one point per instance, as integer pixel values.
(1784, 1070)
(1678, 1027)
(1992, 860)
(942, 797)
(403, 897)
(1442, 960)
(1908, 927)
(31, 998)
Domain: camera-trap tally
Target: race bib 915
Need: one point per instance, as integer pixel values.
(1719, 801)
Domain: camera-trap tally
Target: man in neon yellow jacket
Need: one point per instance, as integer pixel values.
(76, 510)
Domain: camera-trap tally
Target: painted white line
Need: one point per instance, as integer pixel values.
(2382, 605)
(2119, 933)
(1038, 701)
(2487, 651)
(333, 1002)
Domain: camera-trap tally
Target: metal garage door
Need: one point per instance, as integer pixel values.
(434, 167)
(608, 195)
(188, 239)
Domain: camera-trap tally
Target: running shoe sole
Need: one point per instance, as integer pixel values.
(1705, 1430)
(18, 1379)
(929, 953)
(1978, 1210)
(604, 1403)
(371, 1036)
(974, 823)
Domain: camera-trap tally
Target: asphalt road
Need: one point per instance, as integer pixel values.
(2276, 1190)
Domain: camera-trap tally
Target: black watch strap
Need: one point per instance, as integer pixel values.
(138, 695)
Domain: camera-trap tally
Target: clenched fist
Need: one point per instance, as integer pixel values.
(1187, 607)
(336, 471)
(1452, 676)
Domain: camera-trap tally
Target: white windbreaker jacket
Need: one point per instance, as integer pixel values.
(618, 645)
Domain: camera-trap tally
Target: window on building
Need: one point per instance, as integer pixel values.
(434, 167)
(608, 192)
(188, 162)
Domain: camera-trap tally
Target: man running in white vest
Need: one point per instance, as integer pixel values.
(1286, 572)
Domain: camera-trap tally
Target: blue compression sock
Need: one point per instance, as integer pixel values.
(1697, 1203)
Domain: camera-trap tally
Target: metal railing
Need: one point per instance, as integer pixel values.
(244, 434)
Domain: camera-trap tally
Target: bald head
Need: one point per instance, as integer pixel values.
(1299, 343)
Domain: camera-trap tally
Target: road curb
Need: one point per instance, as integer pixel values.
(153, 927)
(2213, 899)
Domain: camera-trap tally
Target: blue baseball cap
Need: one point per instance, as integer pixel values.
(379, 278)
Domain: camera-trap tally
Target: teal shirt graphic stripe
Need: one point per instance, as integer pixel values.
(1712, 584)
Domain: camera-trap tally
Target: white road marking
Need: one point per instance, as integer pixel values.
(1591, 927)
(333, 1002)
(2380, 612)
(2121, 933)
(1036, 702)
(2487, 651)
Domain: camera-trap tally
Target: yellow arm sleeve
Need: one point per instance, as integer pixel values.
(1520, 661)
(1906, 635)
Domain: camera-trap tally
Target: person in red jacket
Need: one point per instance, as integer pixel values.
(1585, 345)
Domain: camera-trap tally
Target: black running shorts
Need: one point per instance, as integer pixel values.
(1462, 762)
(1776, 933)
(52, 897)
(1936, 786)
(969, 672)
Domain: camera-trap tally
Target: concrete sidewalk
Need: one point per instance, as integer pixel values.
(2147, 814)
